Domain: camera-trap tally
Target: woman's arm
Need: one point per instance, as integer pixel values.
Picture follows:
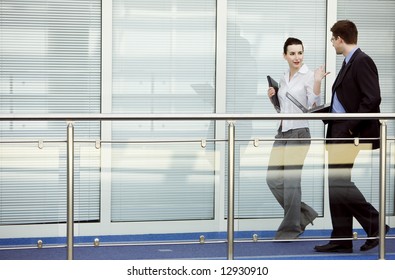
(319, 74)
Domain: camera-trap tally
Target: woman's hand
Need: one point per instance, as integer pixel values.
(320, 73)
(271, 92)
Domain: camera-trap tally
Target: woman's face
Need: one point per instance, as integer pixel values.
(294, 56)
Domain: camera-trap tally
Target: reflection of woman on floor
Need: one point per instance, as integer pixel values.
(288, 154)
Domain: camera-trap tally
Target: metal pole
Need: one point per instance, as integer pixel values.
(383, 153)
(70, 190)
(231, 169)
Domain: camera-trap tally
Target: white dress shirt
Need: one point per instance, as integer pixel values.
(301, 87)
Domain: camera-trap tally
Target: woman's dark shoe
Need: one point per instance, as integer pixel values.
(371, 243)
(333, 248)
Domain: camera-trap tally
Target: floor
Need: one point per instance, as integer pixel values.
(218, 250)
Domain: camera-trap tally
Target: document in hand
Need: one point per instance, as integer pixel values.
(274, 98)
(317, 109)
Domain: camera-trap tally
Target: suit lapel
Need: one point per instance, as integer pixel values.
(340, 76)
(343, 72)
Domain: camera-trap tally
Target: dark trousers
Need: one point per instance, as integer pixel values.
(345, 199)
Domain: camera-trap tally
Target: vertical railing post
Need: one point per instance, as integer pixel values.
(231, 168)
(70, 190)
(383, 166)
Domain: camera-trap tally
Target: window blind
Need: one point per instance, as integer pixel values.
(163, 62)
(49, 63)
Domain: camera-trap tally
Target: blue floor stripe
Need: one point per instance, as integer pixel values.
(214, 251)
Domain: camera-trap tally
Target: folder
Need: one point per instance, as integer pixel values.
(317, 109)
(274, 98)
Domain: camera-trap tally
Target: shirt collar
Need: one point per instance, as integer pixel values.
(303, 70)
(348, 57)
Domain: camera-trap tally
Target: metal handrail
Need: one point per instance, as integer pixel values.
(231, 118)
(186, 117)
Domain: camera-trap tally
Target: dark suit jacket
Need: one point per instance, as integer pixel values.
(357, 88)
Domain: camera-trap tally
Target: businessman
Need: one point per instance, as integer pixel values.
(355, 90)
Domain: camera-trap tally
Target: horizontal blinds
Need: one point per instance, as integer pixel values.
(163, 62)
(33, 183)
(376, 37)
(375, 23)
(49, 63)
(255, 37)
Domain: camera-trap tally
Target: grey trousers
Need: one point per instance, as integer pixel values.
(284, 180)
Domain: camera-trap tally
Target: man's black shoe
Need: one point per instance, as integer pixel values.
(371, 243)
(333, 248)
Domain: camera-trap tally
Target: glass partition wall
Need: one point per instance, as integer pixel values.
(163, 62)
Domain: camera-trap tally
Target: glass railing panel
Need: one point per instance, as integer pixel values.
(169, 190)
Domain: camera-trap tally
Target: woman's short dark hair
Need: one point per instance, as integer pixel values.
(347, 30)
(292, 41)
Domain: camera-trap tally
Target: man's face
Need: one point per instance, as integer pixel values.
(337, 44)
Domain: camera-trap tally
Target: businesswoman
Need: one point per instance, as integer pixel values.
(288, 153)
